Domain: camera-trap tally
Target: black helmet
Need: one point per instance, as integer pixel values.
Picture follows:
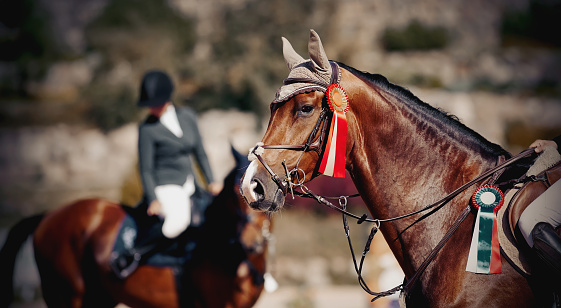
(155, 90)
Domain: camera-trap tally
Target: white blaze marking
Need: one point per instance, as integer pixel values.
(248, 186)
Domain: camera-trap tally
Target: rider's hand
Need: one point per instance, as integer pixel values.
(155, 208)
(540, 145)
(214, 188)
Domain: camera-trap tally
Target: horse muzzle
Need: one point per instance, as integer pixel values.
(260, 191)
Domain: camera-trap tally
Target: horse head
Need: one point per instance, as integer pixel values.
(296, 135)
(253, 228)
(229, 214)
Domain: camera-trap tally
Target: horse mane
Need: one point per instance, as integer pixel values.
(455, 126)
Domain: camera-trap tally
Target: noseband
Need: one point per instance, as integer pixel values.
(296, 176)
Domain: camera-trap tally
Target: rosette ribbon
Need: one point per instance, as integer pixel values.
(333, 161)
(484, 253)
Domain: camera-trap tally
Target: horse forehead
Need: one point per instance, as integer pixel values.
(299, 97)
(312, 80)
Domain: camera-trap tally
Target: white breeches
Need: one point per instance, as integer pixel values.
(546, 208)
(176, 206)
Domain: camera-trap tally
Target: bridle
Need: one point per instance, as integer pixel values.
(296, 176)
(294, 180)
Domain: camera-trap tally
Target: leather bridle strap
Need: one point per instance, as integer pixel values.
(411, 282)
(442, 201)
(310, 145)
(463, 215)
(275, 177)
(358, 267)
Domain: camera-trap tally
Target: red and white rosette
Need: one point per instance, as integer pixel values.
(333, 161)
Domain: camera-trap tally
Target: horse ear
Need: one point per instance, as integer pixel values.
(291, 57)
(317, 53)
(241, 160)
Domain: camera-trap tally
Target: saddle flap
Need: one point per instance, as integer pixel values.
(530, 191)
(518, 199)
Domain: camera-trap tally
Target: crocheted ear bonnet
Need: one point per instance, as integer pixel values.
(314, 74)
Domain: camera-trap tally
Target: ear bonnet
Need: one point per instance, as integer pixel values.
(318, 74)
(314, 74)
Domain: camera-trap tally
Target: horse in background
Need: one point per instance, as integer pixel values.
(73, 244)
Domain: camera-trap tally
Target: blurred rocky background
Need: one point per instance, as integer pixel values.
(70, 69)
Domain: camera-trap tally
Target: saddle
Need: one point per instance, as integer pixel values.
(530, 191)
(137, 224)
(519, 194)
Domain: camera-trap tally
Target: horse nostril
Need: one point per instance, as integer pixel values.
(258, 190)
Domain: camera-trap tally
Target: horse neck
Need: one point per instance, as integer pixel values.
(403, 157)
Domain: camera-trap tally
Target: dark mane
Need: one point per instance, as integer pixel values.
(421, 107)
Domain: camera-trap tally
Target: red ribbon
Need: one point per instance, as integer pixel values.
(495, 251)
(333, 161)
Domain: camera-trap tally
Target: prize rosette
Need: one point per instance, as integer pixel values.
(484, 254)
(333, 161)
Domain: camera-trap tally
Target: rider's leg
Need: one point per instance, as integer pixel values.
(176, 214)
(546, 208)
(537, 225)
(547, 246)
(126, 263)
(176, 207)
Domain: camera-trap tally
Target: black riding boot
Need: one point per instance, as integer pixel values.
(547, 245)
(547, 248)
(145, 246)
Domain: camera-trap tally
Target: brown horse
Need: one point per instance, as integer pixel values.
(73, 245)
(402, 155)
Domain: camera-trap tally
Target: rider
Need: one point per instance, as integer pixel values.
(539, 220)
(167, 139)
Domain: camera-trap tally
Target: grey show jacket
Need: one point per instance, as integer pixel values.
(164, 158)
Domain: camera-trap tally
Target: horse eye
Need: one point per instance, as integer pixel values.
(307, 109)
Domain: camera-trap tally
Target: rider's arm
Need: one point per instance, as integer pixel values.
(146, 163)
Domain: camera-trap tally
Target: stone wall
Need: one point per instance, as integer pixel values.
(45, 167)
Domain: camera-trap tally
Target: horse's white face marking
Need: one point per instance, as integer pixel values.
(248, 186)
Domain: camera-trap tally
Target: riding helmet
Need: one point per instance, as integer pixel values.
(155, 90)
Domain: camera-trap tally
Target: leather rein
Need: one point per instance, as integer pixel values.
(293, 179)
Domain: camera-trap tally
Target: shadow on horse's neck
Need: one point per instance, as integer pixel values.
(406, 154)
(227, 207)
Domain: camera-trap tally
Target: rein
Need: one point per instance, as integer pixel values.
(288, 183)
